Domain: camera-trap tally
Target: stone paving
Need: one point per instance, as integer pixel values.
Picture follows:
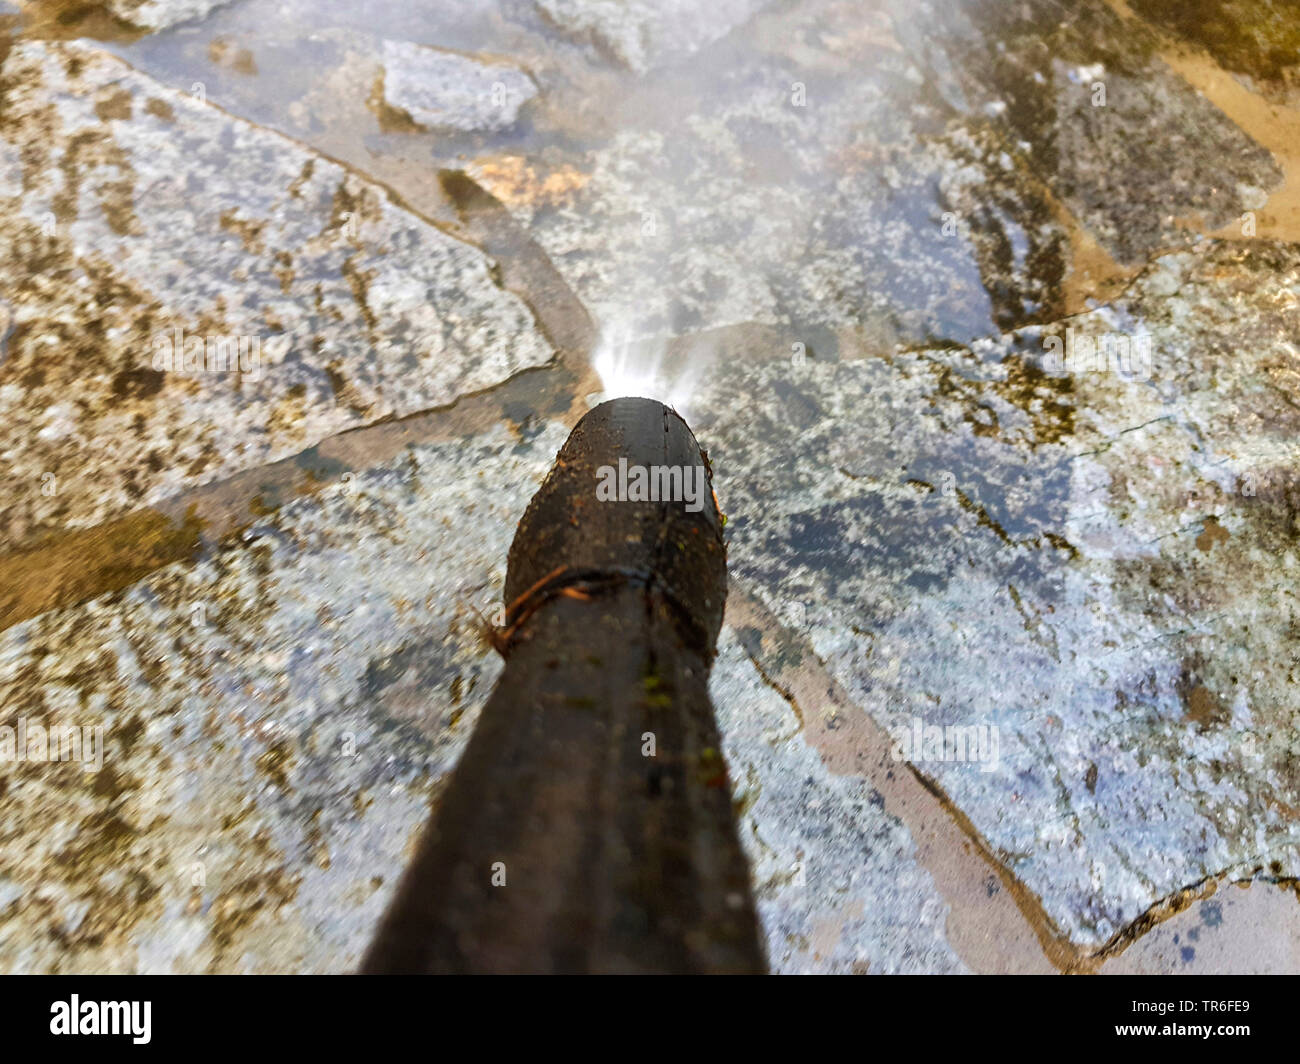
(987, 315)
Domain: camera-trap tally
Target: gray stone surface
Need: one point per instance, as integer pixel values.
(444, 90)
(1234, 931)
(750, 210)
(642, 34)
(922, 202)
(275, 717)
(132, 211)
(1139, 157)
(1102, 569)
(843, 234)
(787, 191)
(835, 876)
(163, 14)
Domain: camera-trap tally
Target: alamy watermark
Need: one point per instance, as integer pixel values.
(194, 355)
(638, 483)
(1127, 356)
(58, 742)
(77, 1017)
(919, 742)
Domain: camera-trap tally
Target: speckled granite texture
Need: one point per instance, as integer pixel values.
(998, 372)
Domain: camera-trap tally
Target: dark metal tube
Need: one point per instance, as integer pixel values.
(588, 826)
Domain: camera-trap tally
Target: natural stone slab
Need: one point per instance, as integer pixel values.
(275, 718)
(863, 209)
(445, 90)
(277, 715)
(1257, 42)
(935, 199)
(963, 538)
(642, 35)
(1136, 154)
(1101, 568)
(163, 14)
(1233, 931)
(835, 877)
(136, 215)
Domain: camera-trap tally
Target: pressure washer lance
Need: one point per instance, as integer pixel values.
(588, 826)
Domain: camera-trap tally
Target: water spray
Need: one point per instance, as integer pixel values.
(630, 366)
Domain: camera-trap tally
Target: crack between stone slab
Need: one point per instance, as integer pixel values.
(1179, 901)
(210, 514)
(1110, 442)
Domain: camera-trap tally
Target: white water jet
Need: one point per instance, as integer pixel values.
(641, 367)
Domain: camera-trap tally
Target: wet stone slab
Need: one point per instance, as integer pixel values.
(1259, 43)
(444, 90)
(1245, 930)
(276, 718)
(763, 182)
(1139, 157)
(1099, 565)
(783, 191)
(642, 35)
(162, 14)
(1101, 568)
(835, 877)
(140, 221)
